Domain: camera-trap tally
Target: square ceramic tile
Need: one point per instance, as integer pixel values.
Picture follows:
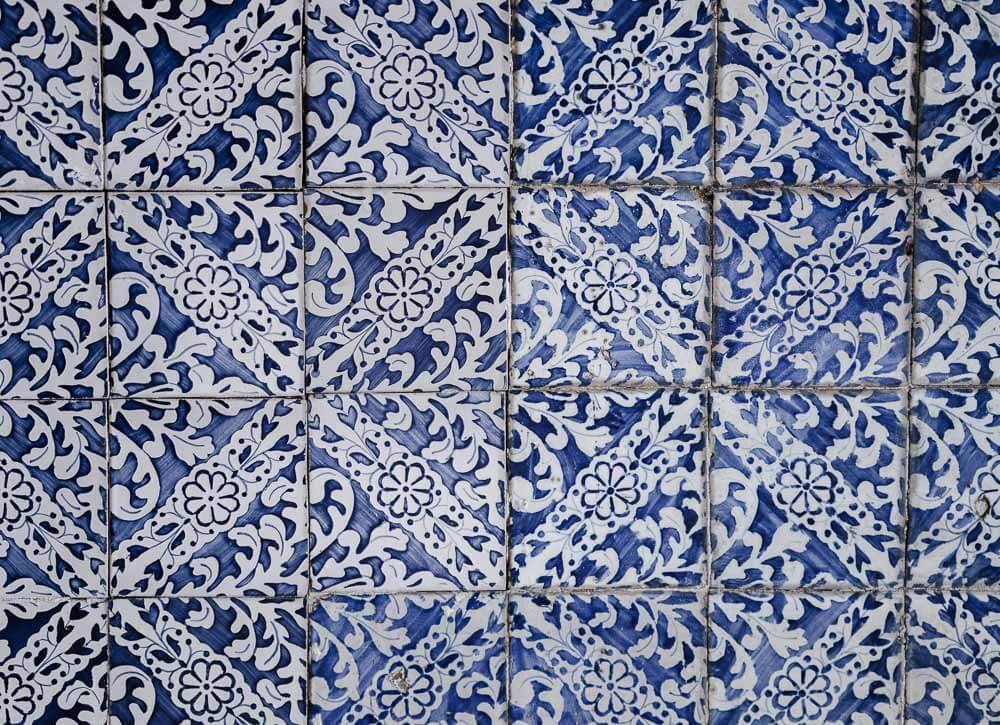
(206, 294)
(607, 658)
(203, 95)
(807, 488)
(614, 91)
(407, 290)
(409, 659)
(957, 286)
(407, 492)
(53, 318)
(408, 93)
(812, 287)
(953, 653)
(208, 661)
(607, 489)
(960, 91)
(50, 120)
(208, 497)
(805, 657)
(53, 499)
(954, 525)
(609, 287)
(816, 93)
(53, 661)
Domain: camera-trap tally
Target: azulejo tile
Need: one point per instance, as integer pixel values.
(53, 319)
(957, 286)
(954, 524)
(607, 489)
(206, 294)
(953, 668)
(208, 498)
(805, 657)
(53, 499)
(53, 661)
(407, 491)
(807, 489)
(409, 659)
(610, 287)
(607, 658)
(408, 93)
(816, 94)
(203, 95)
(49, 105)
(812, 287)
(406, 290)
(208, 660)
(616, 91)
(960, 91)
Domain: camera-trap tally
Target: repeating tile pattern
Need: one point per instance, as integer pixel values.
(202, 95)
(811, 287)
(208, 498)
(53, 660)
(807, 489)
(960, 89)
(413, 658)
(610, 287)
(816, 93)
(408, 93)
(805, 657)
(607, 658)
(407, 290)
(607, 489)
(53, 316)
(208, 660)
(407, 491)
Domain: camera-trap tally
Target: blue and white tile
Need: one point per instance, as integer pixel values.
(53, 315)
(960, 91)
(407, 492)
(954, 523)
(818, 93)
(53, 661)
(812, 287)
(610, 287)
(607, 489)
(208, 661)
(50, 135)
(807, 488)
(206, 294)
(820, 657)
(407, 290)
(203, 95)
(424, 658)
(407, 93)
(208, 498)
(953, 658)
(957, 286)
(53, 499)
(617, 91)
(607, 658)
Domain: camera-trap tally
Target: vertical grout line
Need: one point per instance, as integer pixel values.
(508, 379)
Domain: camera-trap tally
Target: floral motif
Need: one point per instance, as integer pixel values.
(411, 658)
(609, 687)
(406, 290)
(613, 92)
(802, 693)
(806, 97)
(211, 498)
(811, 287)
(16, 697)
(12, 84)
(416, 95)
(207, 88)
(407, 491)
(608, 489)
(207, 688)
(610, 287)
(206, 294)
(16, 493)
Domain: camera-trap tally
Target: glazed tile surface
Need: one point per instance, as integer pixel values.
(500, 361)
